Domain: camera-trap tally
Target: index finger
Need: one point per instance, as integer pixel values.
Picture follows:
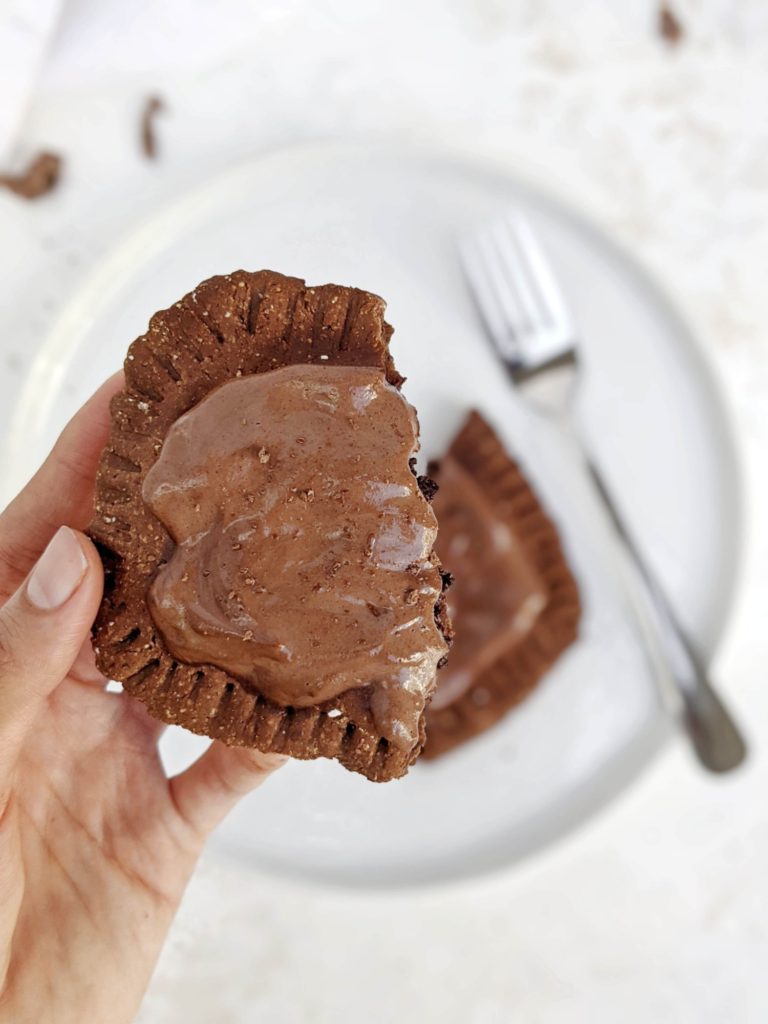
(60, 493)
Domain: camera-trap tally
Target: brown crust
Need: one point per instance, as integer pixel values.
(235, 325)
(516, 673)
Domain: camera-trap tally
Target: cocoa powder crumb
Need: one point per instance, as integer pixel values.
(669, 25)
(40, 177)
(153, 106)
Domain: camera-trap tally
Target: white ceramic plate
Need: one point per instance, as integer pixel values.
(387, 221)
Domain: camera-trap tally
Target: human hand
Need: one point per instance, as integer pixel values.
(96, 842)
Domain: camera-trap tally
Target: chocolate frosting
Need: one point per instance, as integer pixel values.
(302, 561)
(497, 595)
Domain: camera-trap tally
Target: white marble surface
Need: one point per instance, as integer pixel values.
(656, 911)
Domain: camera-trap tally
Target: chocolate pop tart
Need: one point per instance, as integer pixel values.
(514, 604)
(270, 573)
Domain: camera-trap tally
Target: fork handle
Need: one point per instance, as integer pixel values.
(716, 739)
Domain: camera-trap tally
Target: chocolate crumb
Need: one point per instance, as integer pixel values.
(427, 486)
(40, 177)
(670, 27)
(153, 106)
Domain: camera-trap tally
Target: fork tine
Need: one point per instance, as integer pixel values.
(507, 297)
(516, 280)
(483, 292)
(497, 303)
(517, 294)
(541, 273)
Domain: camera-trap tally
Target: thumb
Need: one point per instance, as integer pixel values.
(42, 628)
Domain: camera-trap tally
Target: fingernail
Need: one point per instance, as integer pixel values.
(58, 573)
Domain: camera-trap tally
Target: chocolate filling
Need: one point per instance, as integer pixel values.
(302, 561)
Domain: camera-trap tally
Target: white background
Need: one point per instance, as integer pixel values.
(658, 911)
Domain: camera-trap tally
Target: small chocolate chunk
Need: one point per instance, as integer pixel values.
(428, 486)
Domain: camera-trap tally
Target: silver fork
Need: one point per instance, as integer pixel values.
(525, 315)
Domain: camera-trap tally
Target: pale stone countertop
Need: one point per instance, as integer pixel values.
(658, 910)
